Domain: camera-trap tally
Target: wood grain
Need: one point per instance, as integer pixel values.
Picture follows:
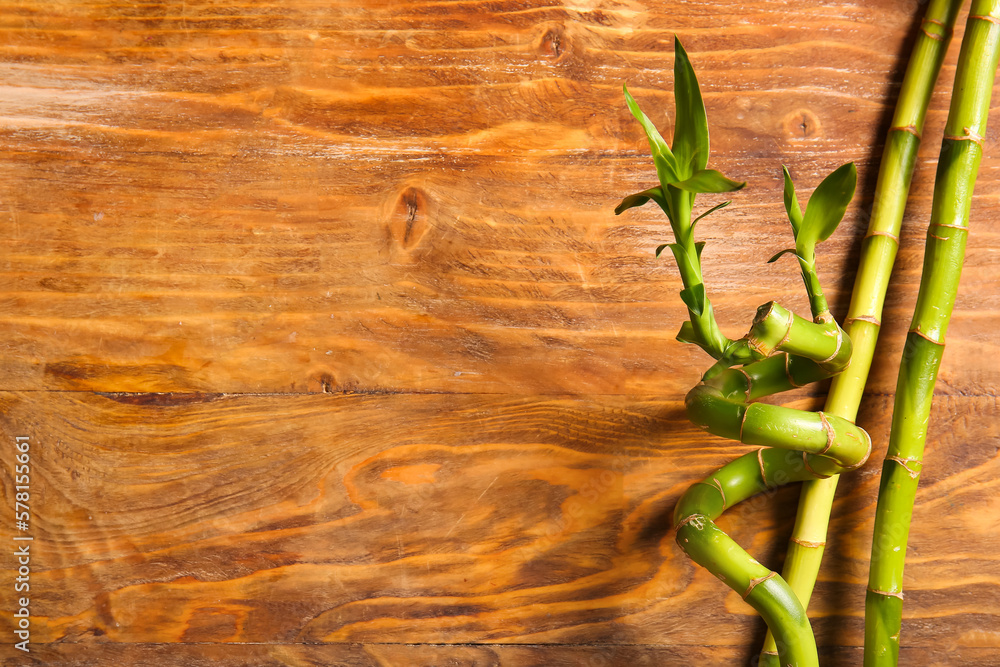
(331, 349)
(391, 655)
(360, 198)
(448, 520)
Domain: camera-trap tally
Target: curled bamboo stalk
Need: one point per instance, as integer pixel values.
(780, 352)
(961, 151)
(878, 253)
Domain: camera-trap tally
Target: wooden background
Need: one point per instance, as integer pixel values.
(331, 350)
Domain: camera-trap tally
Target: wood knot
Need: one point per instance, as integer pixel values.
(554, 42)
(408, 221)
(802, 124)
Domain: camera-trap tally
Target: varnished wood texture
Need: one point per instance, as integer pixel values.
(331, 351)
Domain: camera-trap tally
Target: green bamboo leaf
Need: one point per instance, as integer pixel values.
(660, 248)
(783, 252)
(691, 131)
(663, 158)
(638, 199)
(792, 203)
(699, 246)
(707, 180)
(687, 333)
(828, 204)
(710, 212)
(694, 298)
(678, 251)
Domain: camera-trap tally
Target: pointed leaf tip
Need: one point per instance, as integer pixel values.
(638, 199)
(780, 254)
(828, 203)
(691, 144)
(663, 157)
(792, 203)
(710, 212)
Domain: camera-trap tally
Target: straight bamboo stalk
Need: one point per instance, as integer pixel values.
(806, 546)
(961, 151)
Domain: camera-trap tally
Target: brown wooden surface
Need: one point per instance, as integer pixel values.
(332, 351)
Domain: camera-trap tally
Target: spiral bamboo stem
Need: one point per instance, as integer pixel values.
(781, 351)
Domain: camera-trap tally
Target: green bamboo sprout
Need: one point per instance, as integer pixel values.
(863, 321)
(780, 352)
(961, 150)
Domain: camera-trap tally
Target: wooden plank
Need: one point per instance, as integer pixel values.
(374, 197)
(220, 214)
(448, 519)
(392, 655)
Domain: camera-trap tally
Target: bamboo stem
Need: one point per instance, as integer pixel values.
(961, 151)
(808, 541)
(781, 351)
(798, 445)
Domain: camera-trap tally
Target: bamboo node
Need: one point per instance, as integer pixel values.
(805, 461)
(763, 476)
(831, 435)
(935, 37)
(807, 544)
(871, 319)
(788, 331)
(926, 337)
(868, 452)
(985, 17)
(905, 461)
(877, 232)
(743, 420)
(758, 580)
(749, 382)
(788, 374)
(886, 593)
(911, 129)
(717, 485)
(948, 225)
(970, 134)
(698, 521)
(836, 351)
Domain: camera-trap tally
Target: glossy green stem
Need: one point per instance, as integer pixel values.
(958, 166)
(878, 253)
(708, 335)
(796, 445)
